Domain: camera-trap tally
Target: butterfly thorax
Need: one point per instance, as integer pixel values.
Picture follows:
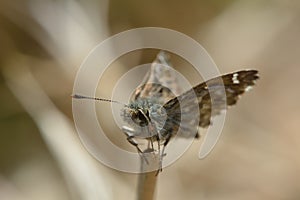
(145, 117)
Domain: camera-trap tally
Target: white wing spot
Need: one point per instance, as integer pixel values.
(235, 78)
(248, 88)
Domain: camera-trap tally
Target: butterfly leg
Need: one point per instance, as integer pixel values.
(151, 142)
(163, 152)
(165, 144)
(130, 138)
(132, 141)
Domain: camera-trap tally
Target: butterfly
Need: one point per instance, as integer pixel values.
(156, 114)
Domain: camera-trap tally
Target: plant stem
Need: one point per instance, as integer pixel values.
(147, 180)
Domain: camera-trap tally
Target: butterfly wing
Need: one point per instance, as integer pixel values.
(234, 85)
(160, 82)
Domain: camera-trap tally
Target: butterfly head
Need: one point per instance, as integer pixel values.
(136, 113)
(144, 112)
(140, 117)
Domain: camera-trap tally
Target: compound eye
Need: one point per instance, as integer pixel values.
(139, 118)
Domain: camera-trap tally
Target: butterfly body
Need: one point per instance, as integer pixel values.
(156, 114)
(146, 118)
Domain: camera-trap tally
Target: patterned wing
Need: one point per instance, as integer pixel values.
(235, 84)
(159, 74)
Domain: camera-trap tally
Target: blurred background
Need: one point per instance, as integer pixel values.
(42, 46)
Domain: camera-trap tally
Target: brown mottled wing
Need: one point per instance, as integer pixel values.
(160, 74)
(235, 84)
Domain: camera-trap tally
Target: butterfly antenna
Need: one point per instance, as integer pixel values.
(77, 96)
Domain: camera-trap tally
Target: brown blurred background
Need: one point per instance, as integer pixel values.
(42, 46)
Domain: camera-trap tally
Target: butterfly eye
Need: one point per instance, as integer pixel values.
(139, 118)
